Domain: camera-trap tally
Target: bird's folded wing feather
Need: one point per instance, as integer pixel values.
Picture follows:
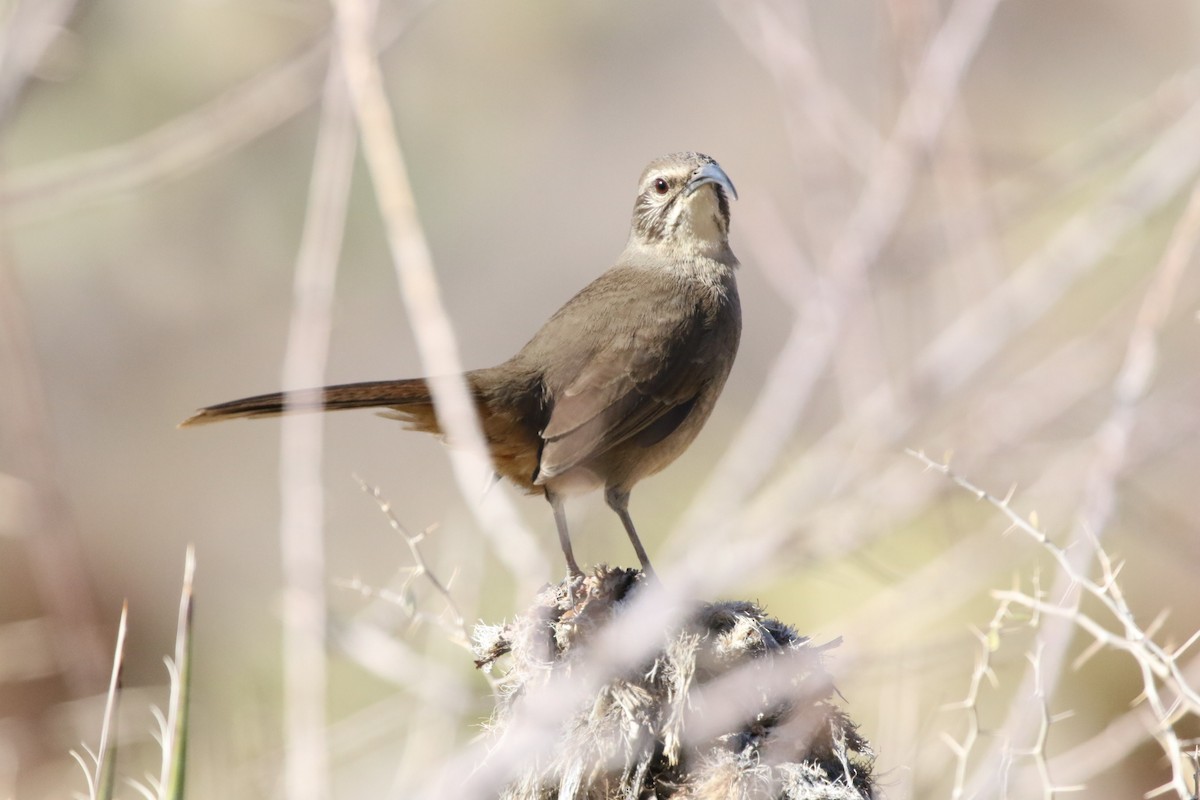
(624, 388)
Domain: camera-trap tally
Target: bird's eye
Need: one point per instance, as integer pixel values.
(661, 186)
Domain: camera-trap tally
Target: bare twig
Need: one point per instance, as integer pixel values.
(420, 569)
(989, 643)
(512, 542)
(1155, 662)
(1150, 661)
(1112, 440)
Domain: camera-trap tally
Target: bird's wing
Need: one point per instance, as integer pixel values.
(640, 380)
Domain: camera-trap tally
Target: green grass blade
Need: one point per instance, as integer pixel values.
(175, 739)
(106, 759)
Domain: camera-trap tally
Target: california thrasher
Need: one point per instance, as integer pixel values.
(620, 380)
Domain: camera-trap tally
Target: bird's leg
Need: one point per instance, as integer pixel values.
(618, 501)
(564, 539)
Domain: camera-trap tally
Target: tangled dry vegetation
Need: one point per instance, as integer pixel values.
(732, 704)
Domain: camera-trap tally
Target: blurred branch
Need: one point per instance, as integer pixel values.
(62, 581)
(1020, 194)
(393, 660)
(779, 36)
(728, 705)
(306, 754)
(982, 329)
(1125, 133)
(965, 346)
(32, 28)
(1041, 281)
(171, 150)
(186, 143)
(1141, 362)
(534, 728)
(806, 353)
(456, 412)
(839, 508)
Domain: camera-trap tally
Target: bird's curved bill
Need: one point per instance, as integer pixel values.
(710, 173)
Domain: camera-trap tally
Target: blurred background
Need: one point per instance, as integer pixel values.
(952, 216)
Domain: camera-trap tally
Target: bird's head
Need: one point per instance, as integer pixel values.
(683, 205)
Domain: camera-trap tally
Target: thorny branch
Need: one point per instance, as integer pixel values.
(457, 626)
(1156, 663)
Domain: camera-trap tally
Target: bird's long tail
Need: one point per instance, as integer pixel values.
(410, 397)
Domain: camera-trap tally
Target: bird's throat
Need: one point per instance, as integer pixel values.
(702, 228)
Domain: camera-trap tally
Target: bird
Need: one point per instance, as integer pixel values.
(618, 382)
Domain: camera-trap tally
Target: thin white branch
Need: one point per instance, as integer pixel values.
(456, 412)
(1149, 661)
(989, 643)
(306, 760)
